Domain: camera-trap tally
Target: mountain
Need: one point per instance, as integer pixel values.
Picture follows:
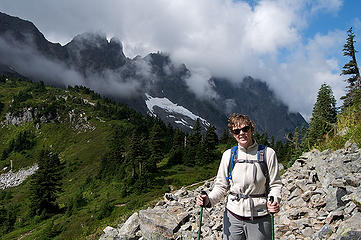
(152, 84)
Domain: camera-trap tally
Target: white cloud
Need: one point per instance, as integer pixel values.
(298, 80)
(327, 5)
(222, 38)
(199, 82)
(357, 24)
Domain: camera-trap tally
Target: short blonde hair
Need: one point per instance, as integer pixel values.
(237, 119)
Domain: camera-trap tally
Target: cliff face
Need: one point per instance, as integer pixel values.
(321, 200)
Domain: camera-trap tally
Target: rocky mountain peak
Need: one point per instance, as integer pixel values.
(92, 51)
(88, 40)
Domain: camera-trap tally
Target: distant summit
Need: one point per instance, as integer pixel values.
(94, 51)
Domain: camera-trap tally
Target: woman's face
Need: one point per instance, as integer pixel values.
(243, 135)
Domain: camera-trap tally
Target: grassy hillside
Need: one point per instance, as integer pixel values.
(78, 125)
(347, 128)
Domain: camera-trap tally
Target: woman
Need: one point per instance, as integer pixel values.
(247, 210)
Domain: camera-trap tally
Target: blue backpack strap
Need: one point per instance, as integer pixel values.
(231, 162)
(261, 157)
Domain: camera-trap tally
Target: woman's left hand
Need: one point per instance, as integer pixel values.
(273, 207)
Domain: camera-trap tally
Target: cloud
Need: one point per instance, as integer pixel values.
(326, 5)
(297, 80)
(357, 24)
(199, 82)
(26, 60)
(222, 38)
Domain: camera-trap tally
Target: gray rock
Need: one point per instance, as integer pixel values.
(351, 235)
(162, 223)
(350, 227)
(335, 215)
(334, 198)
(10, 179)
(325, 231)
(110, 233)
(350, 207)
(307, 232)
(130, 228)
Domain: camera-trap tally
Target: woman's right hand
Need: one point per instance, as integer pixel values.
(202, 200)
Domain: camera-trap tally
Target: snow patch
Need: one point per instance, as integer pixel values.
(184, 122)
(171, 107)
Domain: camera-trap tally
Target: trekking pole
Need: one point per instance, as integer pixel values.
(200, 216)
(271, 198)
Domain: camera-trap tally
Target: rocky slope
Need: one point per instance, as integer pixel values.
(13, 179)
(321, 200)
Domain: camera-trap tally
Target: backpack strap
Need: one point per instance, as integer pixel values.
(261, 152)
(231, 161)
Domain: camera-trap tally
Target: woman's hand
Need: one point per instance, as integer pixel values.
(202, 200)
(273, 207)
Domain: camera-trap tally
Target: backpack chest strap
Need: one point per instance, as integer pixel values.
(246, 161)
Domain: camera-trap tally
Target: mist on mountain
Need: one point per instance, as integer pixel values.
(92, 60)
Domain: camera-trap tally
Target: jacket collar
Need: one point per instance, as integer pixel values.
(254, 145)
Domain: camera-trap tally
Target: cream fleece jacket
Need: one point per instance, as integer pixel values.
(242, 182)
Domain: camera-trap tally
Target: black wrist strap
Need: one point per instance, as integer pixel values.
(208, 204)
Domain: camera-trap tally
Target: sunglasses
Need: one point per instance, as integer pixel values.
(238, 130)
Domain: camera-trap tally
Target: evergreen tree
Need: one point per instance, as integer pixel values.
(272, 143)
(195, 137)
(139, 168)
(133, 156)
(112, 163)
(177, 151)
(46, 184)
(323, 115)
(296, 145)
(178, 139)
(261, 139)
(194, 145)
(1, 106)
(209, 146)
(211, 138)
(351, 69)
(225, 137)
(7, 218)
(156, 147)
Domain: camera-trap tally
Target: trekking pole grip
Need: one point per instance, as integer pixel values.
(203, 193)
(200, 216)
(271, 199)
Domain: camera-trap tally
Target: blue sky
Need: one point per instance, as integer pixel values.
(293, 45)
(347, 16)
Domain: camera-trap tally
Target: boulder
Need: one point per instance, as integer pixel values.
(130, 229)
(162, 223)
(110, 233)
